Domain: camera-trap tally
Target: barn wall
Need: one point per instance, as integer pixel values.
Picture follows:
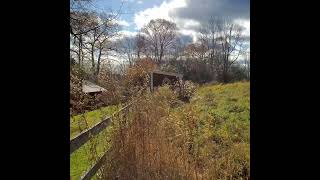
(159, 78)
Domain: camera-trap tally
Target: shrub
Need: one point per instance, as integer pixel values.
(78, 100)
(152, 146)
(185, 90)
(113, 86)
(137, 76)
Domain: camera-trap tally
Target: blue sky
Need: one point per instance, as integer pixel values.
(129, 7)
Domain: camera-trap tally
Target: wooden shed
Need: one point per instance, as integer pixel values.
(159, 78)
(91, 88)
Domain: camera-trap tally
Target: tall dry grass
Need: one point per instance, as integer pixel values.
(153, 143)
(150, 145)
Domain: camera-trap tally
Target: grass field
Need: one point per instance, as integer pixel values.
(87, 120)
(222, 114)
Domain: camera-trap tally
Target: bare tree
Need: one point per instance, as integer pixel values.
(160, 35)
(97, 41)
(208, 39)
(196, 51)
(80, 21)
(90, 32)
(176, 50)
(127, 48)
(223, 41)
(247, 63)
(83, 7)
(141, 46)
(231, 46)
(95, 44)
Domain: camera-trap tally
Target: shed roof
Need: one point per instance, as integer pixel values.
(89, 87)
(168, 73)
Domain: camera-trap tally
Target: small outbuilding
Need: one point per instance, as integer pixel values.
(159, 78)
(91, 88)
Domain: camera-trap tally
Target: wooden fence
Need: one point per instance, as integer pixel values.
(88, 134)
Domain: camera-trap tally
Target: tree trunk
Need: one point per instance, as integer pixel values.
(79, 50)
(99, 61)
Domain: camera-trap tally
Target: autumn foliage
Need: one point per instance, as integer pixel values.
(137, 76)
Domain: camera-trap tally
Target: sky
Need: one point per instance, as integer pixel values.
(187, 14)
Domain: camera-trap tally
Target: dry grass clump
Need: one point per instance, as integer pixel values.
(152, 146)
(202, 139)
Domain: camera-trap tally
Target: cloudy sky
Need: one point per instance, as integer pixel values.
(187, 14)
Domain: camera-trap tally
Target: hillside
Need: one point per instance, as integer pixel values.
(223, 134)
(219, 116)
(207, 137)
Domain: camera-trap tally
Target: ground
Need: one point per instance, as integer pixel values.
(222, 118)
(221, 136)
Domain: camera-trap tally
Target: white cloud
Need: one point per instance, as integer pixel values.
(122, 23)
(189, 32)
(143, 17)
(246, 24)
(122, 34)
(189, 23)
(185, 26)
(139, 2)
(127, 33)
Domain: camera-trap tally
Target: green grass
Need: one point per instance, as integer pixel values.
(227, 108)
(221, 135)
(83, 121)
(80, 160)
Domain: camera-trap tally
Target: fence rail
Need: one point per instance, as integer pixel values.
(86, 135)
(94, 169)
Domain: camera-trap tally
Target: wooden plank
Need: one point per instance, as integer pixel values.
(151, 83)
(168, 73)
(93, 170)
(85, 136)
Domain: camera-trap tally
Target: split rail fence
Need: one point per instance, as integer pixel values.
(85, 136)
